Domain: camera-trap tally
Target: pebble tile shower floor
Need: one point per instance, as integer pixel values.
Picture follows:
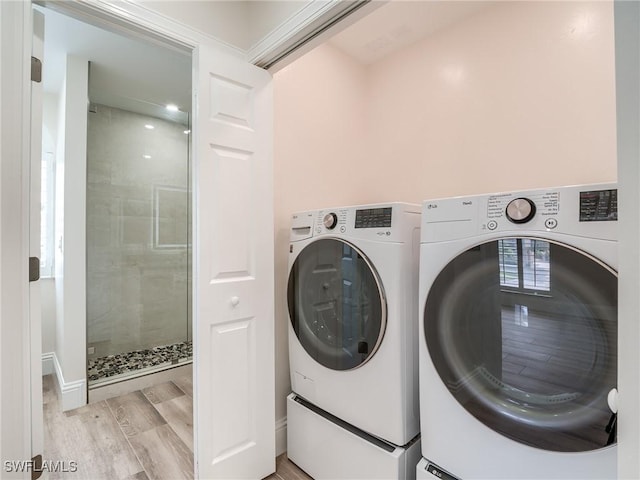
(101, 368)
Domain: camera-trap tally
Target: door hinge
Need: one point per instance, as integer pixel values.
(36, 70)
(36, 467)
(34, 269)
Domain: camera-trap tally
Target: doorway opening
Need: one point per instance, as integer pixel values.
(116, 218)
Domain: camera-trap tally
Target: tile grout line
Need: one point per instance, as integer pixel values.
(181, 389)
(193, 454)
(168, 424)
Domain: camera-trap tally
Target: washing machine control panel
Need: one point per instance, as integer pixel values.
(386, 222)
(343, 220)
(373, 218)
(330, 221)
(364, 218)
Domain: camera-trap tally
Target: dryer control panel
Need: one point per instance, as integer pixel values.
(599, 205)
(589, 211)
(544, 203)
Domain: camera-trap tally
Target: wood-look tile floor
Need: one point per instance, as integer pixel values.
(143, 435)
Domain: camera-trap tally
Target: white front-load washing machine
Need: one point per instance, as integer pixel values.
(352, 298)
(518, 334)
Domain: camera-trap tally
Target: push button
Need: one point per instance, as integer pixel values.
(492, 225)
(551, 223)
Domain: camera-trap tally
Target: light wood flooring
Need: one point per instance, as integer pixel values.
(143, 435)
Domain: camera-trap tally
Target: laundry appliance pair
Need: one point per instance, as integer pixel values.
(353, 342)
(514, 318)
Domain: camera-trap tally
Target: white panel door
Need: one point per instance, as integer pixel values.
(234, 335)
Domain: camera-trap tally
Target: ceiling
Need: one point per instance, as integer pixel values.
(124, 73)
(399, 23)
(143, 77)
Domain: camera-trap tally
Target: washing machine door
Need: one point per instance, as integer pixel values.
(336, 304)
(523, 333)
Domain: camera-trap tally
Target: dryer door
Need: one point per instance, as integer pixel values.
(523, 332)
(336, 304)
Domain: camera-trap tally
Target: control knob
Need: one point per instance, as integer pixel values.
(330, 221)
(520, 210)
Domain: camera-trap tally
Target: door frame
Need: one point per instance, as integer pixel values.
(627, 54)
(15, 351)
(138, 22)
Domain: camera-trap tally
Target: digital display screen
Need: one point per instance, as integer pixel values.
(373, 218)
(599, 206)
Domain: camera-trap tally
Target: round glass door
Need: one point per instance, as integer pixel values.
(336, 304)
(523, 332)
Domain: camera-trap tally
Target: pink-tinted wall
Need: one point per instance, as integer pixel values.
(520, 95)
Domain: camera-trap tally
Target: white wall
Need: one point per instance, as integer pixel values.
(71, 175)
(48, 301)
(59, 218)
(50, 103)
(521, 95)
(320, 140)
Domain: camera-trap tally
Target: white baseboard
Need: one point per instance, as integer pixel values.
(72, 394)
(48, 366)
(281, 436)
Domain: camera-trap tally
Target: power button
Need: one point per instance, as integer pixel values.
(551, 223)
(492, 225)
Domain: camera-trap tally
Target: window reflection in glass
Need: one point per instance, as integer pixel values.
(524, 263)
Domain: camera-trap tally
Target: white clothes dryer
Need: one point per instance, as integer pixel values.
(352, 298)
(518, 334)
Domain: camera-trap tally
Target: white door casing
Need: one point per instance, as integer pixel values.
(627, 52)
(234, 334)
(35, 316)
(15, 359)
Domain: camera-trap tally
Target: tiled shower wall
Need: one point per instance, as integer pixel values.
(137, 232)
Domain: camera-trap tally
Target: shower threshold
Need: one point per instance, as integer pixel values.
(122, 366)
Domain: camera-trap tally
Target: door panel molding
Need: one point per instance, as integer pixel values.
(234, 263)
